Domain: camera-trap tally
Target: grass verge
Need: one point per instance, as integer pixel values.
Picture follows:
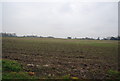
(13, 70)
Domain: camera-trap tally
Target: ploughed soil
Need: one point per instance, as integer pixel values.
(56, 59)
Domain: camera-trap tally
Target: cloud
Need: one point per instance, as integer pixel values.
(78, 19)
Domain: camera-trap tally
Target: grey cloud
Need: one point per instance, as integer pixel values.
(61, 19)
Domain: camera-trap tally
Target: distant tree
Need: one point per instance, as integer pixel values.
(75, 37)
(98, 38)
(113, 38)
(69, 38)
(41, 37)
(118, 37)
(50, 37)
(8, 34)
(105, 39)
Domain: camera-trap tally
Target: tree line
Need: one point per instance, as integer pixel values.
(86, 38)
(8, 35)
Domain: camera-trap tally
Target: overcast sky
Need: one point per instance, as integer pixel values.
(61, 19)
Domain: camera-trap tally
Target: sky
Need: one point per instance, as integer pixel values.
(60, 19)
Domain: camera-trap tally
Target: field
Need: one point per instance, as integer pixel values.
(62, 58)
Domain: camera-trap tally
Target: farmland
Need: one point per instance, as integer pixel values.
(57, 58)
